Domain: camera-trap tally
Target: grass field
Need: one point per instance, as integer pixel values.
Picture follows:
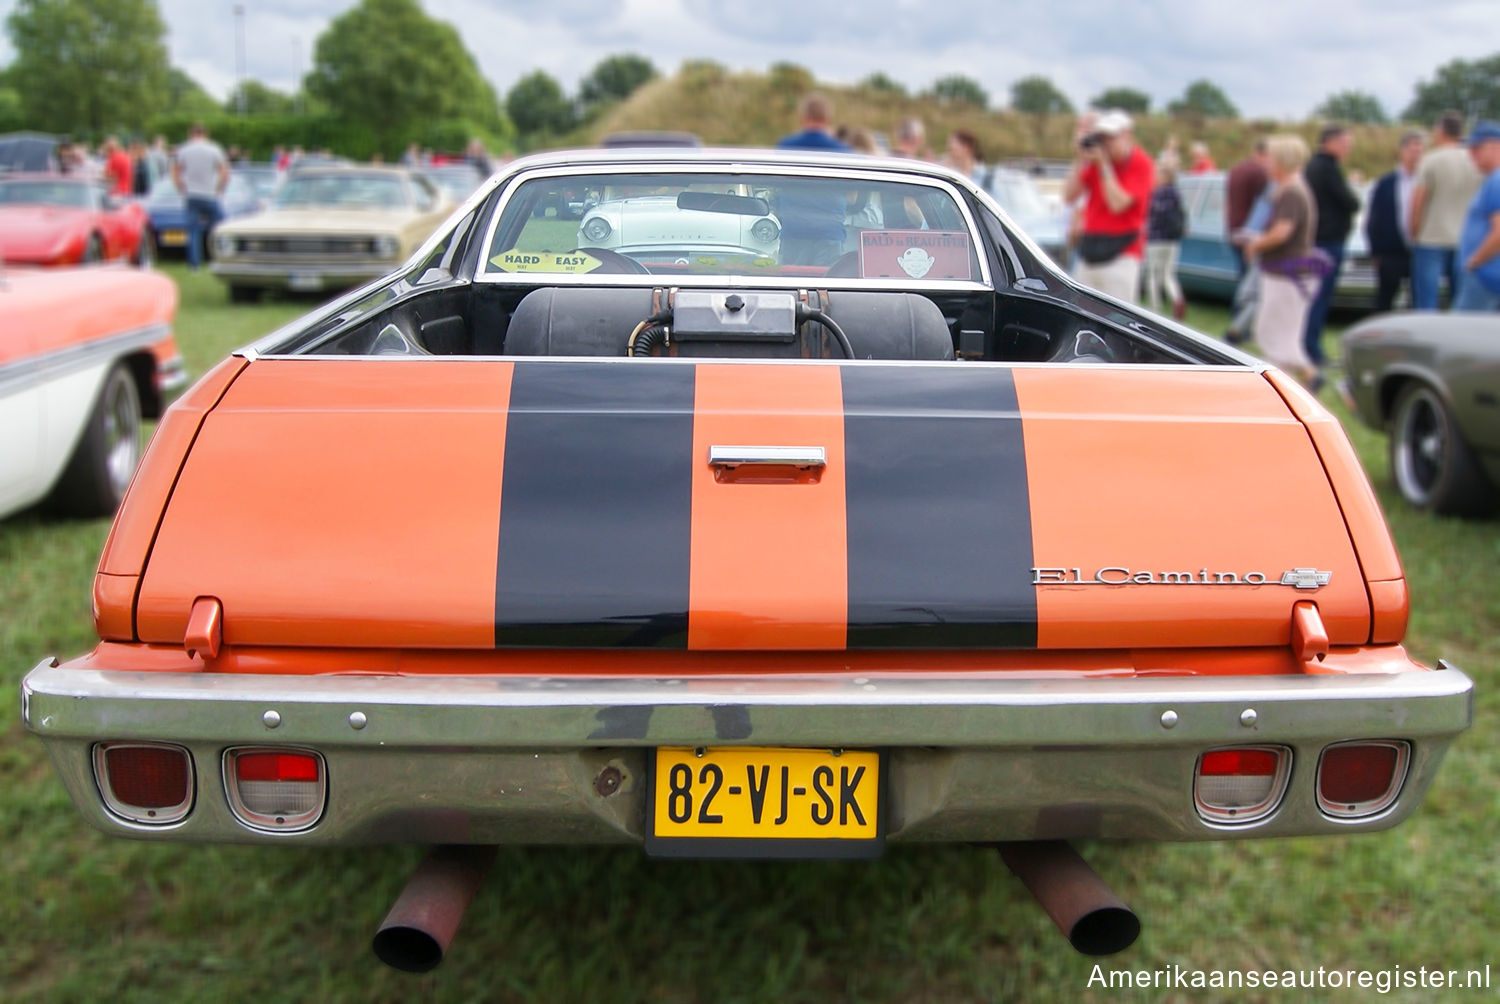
(95, 918)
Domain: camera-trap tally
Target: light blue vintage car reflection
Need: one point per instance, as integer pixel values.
(1206, 266)
(665, 229)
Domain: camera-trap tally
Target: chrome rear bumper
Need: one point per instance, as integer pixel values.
(471, 759)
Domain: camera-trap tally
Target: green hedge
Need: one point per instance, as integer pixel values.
(260, 134)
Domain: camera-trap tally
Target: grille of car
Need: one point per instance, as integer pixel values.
(307, 245)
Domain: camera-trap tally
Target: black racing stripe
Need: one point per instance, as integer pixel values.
(596, 507)
(939, 516)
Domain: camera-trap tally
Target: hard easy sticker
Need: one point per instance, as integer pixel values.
(575, 263)
(915, 254)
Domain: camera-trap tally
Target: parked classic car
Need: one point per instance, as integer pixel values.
(1432, 382)
(706, 225)
(84, 354)
(167, 209)
(533, 541)
(1043, 220)
(458, 179)
(329, 228)
(1205, 264)
(52, 219)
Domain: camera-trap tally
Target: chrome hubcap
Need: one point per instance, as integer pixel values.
(122, 431)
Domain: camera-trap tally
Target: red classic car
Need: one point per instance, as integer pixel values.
(50, 219)
(85, 354)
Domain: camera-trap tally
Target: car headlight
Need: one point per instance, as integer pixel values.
(223, 245)
(386, 247)
(765, 231)
(596, 229)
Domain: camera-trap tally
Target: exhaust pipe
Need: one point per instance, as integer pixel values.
(417, 932)
(1093, 919)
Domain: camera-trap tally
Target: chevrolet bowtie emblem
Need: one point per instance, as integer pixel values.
(1306, 578)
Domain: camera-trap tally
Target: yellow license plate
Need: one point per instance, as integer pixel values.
(749, 801)
(173, 238)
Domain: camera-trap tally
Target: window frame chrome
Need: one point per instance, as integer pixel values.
(513, 184)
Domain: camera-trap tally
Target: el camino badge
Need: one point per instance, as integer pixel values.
(1114, 575)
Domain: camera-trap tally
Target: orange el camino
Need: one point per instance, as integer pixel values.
(873, 529)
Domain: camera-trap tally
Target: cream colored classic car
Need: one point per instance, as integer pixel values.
(329, 228)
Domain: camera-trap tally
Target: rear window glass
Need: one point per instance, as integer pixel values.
(667, 223)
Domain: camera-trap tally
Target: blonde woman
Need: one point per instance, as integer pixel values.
(1291, 267)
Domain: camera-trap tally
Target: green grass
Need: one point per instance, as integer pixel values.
(89, 917)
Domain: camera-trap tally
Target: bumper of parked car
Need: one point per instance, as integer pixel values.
(965, 757)
(300, 278)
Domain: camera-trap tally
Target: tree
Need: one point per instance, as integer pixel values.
(879, 83)
(960, 89)
(186, 97)
(89, 65)
(1471, 86)
(538, 106)
(614, 78)
(385, 65)
(258, 100)
(1203, 99)
(1127, 99)
(1039, 96)
(1354, 107)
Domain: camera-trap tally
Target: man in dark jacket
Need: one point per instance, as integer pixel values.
(1386, 220)
(1337, 204)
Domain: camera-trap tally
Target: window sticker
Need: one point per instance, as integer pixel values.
(576, 263)
(915, 254)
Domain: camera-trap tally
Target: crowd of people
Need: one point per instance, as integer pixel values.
(1432, 221)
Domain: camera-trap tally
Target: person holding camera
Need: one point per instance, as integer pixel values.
(1115, 177)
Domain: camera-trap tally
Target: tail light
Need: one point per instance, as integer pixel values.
(280, 790)
(1361, 778)
(149, 783)
(1241, 785)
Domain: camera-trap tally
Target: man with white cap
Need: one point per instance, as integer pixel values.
(1479, 242)
(1116, 177)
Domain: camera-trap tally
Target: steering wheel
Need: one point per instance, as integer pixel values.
(613, 261)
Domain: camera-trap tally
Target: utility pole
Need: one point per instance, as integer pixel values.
(239, 53)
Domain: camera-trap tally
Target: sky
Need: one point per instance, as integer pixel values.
(1274, 58)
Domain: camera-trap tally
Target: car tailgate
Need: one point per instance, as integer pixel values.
(560, 503)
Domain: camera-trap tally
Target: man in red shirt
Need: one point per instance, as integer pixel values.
(1116, 176)
(1242, 186)
(119, 172)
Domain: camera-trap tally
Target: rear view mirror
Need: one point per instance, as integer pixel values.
(712, 202)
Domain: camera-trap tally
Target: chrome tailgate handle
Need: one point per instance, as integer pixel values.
(800, 457)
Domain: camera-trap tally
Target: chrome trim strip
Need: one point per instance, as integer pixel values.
(28, 371)
(915, 709)
(767, 456)
(850, 169)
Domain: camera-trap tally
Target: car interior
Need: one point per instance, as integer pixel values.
(1030, 316)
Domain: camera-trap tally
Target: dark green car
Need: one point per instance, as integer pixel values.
(1432, 381)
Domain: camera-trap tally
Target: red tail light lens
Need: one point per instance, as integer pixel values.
(148, 783)
(1361, 778)
(1241, 785)
(280, 790)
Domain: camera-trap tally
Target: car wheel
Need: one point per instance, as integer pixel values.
(145, 252)
(245, 294)
(1431, 464)
(94, 482)
(94, 250)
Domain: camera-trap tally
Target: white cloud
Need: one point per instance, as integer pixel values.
(1276, 58)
